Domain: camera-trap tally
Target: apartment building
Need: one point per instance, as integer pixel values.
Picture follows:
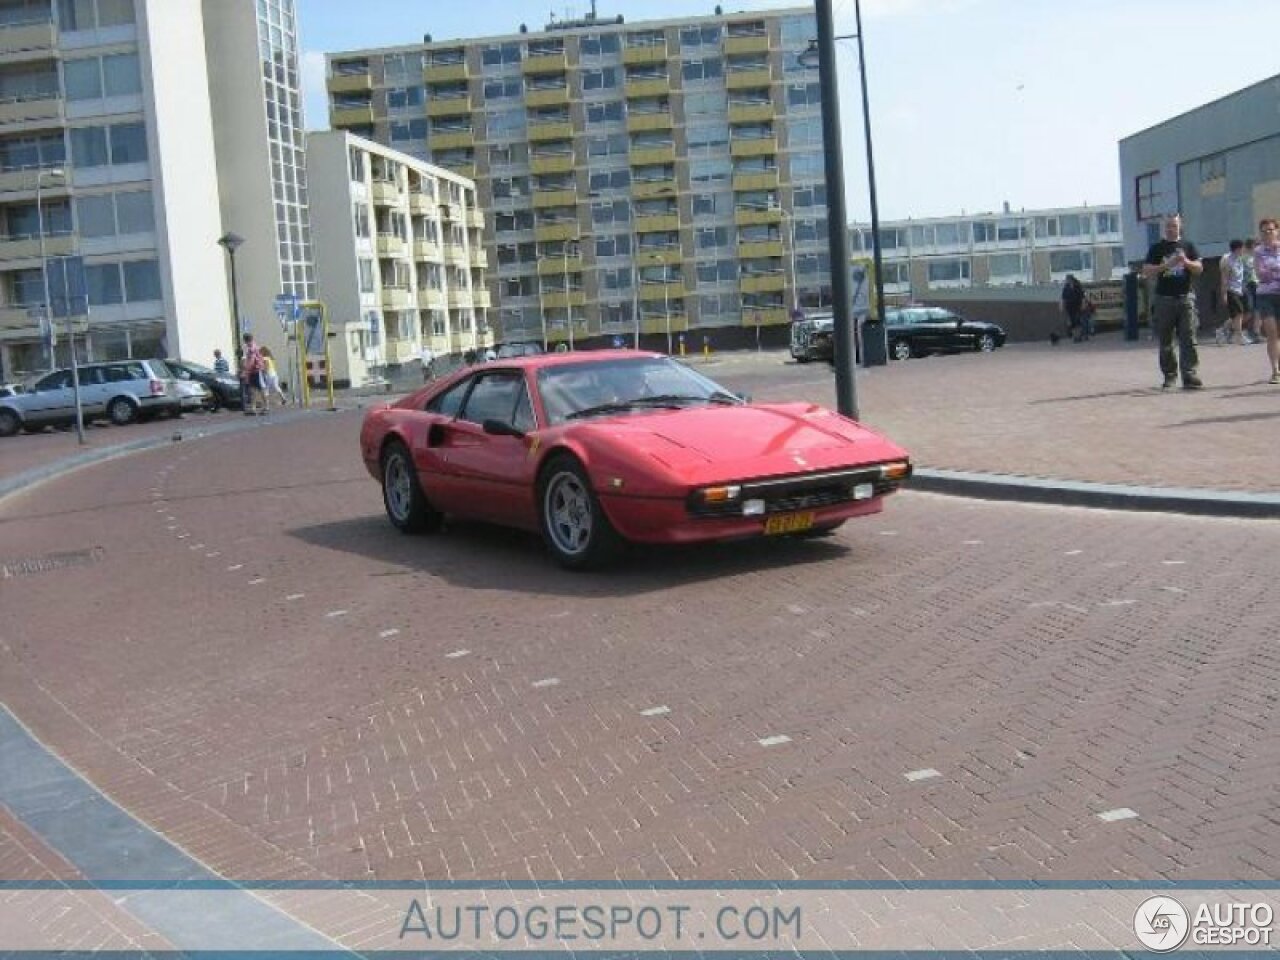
(411, 273)
(133, 134)
(638, 179)
(1027, 248)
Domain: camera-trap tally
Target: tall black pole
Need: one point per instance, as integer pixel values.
(877, 357)
(236, 346)
(837, 218)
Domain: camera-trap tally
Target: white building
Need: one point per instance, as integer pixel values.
(411, 273)
(135, 133)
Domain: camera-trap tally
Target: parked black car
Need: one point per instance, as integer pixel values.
(224, 390)
(920, 331)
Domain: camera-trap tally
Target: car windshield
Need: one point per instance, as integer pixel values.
(195, 368)
(580, 390)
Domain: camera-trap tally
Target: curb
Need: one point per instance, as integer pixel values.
(1098, 496)
(36, 475)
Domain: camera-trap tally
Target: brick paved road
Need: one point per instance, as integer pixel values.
(262, 670)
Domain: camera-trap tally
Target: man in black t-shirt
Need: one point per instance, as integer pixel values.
(1174, 261)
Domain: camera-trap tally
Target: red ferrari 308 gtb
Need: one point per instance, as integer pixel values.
(595, 449)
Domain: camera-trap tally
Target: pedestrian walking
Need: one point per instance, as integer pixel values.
(1070, 303)
(220, 365)
(428, 360)
(251, 378)
(1251, 325)
(271, 380)
(1232, 269)
(1174, 261)
(1266, 263)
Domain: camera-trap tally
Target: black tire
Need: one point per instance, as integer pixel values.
(986, 343)
(10, 423)
(574, 526)
(901, 350)
(122, 411)
(406, 504)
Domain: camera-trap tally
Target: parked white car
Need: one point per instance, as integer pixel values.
(121, 390)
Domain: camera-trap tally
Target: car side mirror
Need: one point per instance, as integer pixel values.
(500, 428)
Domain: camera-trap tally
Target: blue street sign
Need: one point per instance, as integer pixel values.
(287, 306)
(67, 287)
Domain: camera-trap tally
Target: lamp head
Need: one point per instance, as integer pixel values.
(810, 57)
(231, 242)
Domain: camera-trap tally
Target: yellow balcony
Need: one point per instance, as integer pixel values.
(455, 254)
(386, 193)
(751, 112)
(547, 63)
(556, 163)
(351, 116)
(764, 316)
(556, 266)
(29, 248)
(747, 79)
(761, 147)
(429, 299)
(636, 56)
(667, 257)
(48, 108)
(24, 181)
(552, 232)
(427, 250)
(561, 300)
(653, 188)
(658, 223)
(445, 73)
(451, 107)
(554, 97)
(17, 324)
(751, 216)
(474, 218)
(397, 298)
(460, 298)
(768, 180)
(640, 122)
(760, 248)
(542, 132)
(543, 199)
(734, 46)
(479, 258)
(27, 39)
(349, 82)
(644, 156)
(452, 141)
(647, 88)
(764, 283)
(421, 203)
(675, 322)
(390, 245)
(463, 168)
(452, 212)
(662, 291)
(481, 299)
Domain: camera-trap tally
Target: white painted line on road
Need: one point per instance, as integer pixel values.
(1173, 563)
(798, 610)
(257, 580)
(388, 633)
(197, 546)
(973, 543)
(337, 613)
(210, 556)
(183, 536)
(235, 566)
(547, 682)
(774, 741)
(928, 773)
(295, 596)
(1173, 589)
(888, 533)
(1073, 553)
(655, 712)
(1118, 603)
(1119, 813)
(456, 654)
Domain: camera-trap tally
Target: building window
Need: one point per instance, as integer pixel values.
(141, 281)
(1070, 261)
(1213, 168)
(1007, 267)
(952, 271)
(366, 275)
(1147, 192)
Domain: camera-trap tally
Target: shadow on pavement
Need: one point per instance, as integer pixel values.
(477, 556)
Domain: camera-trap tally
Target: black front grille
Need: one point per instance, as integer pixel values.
(790, 494)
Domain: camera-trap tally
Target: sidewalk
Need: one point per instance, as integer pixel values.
(1030, 421)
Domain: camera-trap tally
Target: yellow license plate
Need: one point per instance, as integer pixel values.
(788, 523)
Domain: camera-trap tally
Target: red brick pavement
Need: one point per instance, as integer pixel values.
(351, 703)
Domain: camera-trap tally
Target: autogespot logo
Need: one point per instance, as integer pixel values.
(1161, 923)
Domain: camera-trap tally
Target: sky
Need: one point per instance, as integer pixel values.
(973, 103)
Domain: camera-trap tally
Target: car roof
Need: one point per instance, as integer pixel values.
(571, 358)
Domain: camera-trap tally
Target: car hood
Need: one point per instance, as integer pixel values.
(709, 444)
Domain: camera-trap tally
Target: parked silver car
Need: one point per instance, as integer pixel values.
(120, 390)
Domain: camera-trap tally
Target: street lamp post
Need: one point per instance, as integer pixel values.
(231, 242)
(568, 300)
(41, 173)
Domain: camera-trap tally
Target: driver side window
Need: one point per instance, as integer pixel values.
(493, 398)
(448, 403)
